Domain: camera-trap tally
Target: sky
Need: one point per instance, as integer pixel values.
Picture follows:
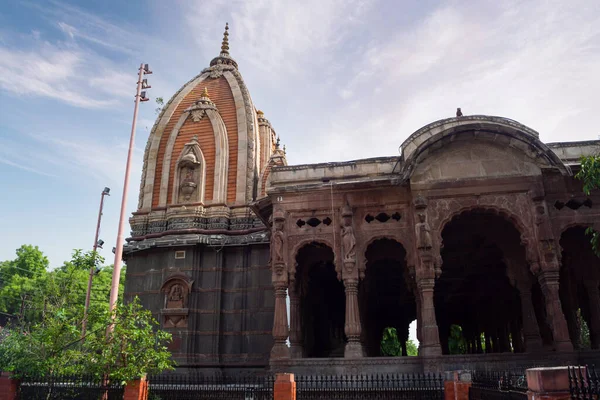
(338, 79)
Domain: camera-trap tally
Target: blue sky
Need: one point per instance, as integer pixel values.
(338, 79)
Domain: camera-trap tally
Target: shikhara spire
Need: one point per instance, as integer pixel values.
(225, 43)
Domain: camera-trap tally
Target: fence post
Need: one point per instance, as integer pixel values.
(548, 383)
(136, 389)
(456, 385)
(284, 387)
(8, 386)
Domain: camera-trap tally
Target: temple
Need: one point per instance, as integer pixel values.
(477, 228)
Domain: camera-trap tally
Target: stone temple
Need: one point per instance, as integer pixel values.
(254, 264)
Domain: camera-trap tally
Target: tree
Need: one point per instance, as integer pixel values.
(456, 341)
(411, 348)
(54, 346)
(391, 347)
(589, 174)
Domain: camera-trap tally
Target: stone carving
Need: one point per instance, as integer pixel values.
(423, 233)
(348, 239)
(189, 172)
(175, 299)
(277, 244)
(197, 115)
(175, 312)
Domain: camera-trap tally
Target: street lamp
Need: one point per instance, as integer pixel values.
(140, 96)
(93, 268)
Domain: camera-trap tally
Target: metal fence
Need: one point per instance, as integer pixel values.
(190, 386)
(69, 388)
(584, 383)
(507, 385)
(379, 387)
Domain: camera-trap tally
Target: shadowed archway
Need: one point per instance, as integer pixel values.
(322, 302)
(385, 295)
(487, 300)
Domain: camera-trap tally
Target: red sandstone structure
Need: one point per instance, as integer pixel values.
(252, 263)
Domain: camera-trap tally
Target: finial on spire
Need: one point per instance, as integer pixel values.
(284, 149)
(225, 44)
(277, 143)
(205, 93)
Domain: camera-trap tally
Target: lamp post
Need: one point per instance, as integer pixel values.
(97, 243)
(140, 96)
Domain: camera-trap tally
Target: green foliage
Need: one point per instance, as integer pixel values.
(390, 344)
(391, 347)
(46, 336)
(411, 348)
(584, 332)
(160, 103)
(589, 174)
(456, 341)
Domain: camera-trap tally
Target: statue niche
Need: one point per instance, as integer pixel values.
(176, 290)
(190, 174)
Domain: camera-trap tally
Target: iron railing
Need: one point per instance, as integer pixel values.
(190, 386)
(584, 383)
(381, 387)
(68, 388)
(505, 385)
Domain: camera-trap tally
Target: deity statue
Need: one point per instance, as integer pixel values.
(423, 233)
(175, 297)
(277, 240)
(348, 240)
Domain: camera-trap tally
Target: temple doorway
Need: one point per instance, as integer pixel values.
(322, 302)
(486, 288)
(579, 287)
(386, 298)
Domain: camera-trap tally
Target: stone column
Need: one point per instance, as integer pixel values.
(279, 278)
(280, 325)
(531, 330)
(350, 275)
(296, 349)
(352, 327)
(549, 283)
(425, 276)
(593, 293)
(430, 345)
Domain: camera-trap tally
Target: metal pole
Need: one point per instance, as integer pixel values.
(92, 268)
(114, 292)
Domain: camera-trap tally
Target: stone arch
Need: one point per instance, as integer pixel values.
(496, 129)
(320, 301)
(526, 234)
(484, 282)
(406, 243)
(387, 293)
(191, 157)
(293, 254)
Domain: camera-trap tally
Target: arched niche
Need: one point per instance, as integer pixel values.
(176, 291)
(190, 174)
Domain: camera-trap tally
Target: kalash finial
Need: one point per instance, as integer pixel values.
(225, 44)
(205, 93)
(277, 143)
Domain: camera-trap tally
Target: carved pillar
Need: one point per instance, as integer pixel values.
(430, 345)
(425, 274)
(593, 293)
(549, 267)
(279, 278)
(531, 331)
(296, 349)
(549, 283)
(350, 276)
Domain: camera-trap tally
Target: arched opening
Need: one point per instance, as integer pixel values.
(385, 295)
(322, 302)
(579, 286)
(486, 288)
